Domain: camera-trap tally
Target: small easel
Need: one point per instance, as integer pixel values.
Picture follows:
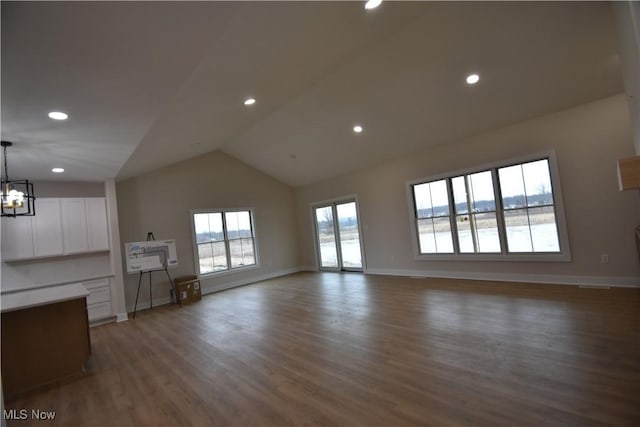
(150, 237)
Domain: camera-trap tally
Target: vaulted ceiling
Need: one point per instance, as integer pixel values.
(151, 83)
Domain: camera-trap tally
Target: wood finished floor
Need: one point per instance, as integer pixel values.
(349, 349)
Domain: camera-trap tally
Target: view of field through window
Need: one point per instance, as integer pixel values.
(347, 239)
(527, 211)
(224, 240)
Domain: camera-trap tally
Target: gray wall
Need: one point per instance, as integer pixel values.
(160, 202)
(627, 19)
(588, 141)
(68, 189)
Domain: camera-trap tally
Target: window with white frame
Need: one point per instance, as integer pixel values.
(223, 240)
(433, 217)
(510, 209)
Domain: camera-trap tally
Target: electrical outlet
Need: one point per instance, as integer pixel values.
(604, 258)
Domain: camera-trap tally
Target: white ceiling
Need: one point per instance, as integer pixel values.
(152, 83)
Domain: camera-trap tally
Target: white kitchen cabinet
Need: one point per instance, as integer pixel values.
(61, 226)
(74, 224)
(47, 228)
(99, 299)
(97, 224)
(17, 238)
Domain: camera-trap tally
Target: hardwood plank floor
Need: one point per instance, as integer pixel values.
(351, 349)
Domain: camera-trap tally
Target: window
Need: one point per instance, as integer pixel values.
(529, 215)
(476, 219)
(433, 217)
(224, 240)
(504, 210)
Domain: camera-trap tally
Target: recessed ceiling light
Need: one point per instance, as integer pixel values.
(57, 170)
(372, 4)
(358, 129)
(473, 79)
(249, 101)
(58, 115)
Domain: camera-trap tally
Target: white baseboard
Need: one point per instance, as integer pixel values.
(100, 322)
(249, 280)
(308, 268)
(122, 317)
(143, 305)
(615, 281)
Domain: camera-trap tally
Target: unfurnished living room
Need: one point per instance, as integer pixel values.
(358, 213)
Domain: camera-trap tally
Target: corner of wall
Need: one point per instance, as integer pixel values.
(119, 305)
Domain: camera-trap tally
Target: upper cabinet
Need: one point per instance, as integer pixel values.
(98, 230)
(74, 224)
(17, 238)
(47, 228)
(64, 226)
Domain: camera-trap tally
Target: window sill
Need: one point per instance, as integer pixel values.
(541, 257)
(227, 272)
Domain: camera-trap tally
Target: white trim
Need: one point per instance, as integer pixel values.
(481, 168)
(102, 321)
(122, 317)
(194, 244)
(247, 281)
(517, 257)
(615, 281)
(215, 274)
(143, 305)
(48, 285)
(221, 287)
(314, 233)
(561, 221)
(333, 202)
(47, 257)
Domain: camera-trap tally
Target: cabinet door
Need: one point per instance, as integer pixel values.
(97, 224)
(17, 238)
(47, 228)
(74, 226)
(99, 299)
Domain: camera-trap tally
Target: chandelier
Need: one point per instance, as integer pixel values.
(17, 196)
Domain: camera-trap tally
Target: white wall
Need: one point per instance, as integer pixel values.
(160, 202)
(588, 141)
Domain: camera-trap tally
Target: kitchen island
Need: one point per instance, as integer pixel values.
(45, 336)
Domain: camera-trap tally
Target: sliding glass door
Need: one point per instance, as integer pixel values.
(338, 236)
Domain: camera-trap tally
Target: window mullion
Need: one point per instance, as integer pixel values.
(336, 232)
(502, 228)
(226, 240)
(533, 249)
(471, 213)
(452, 217)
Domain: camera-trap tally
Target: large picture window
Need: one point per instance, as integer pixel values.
(224, 240)
(504, 210)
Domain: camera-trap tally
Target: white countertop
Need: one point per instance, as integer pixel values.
(42, 296)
